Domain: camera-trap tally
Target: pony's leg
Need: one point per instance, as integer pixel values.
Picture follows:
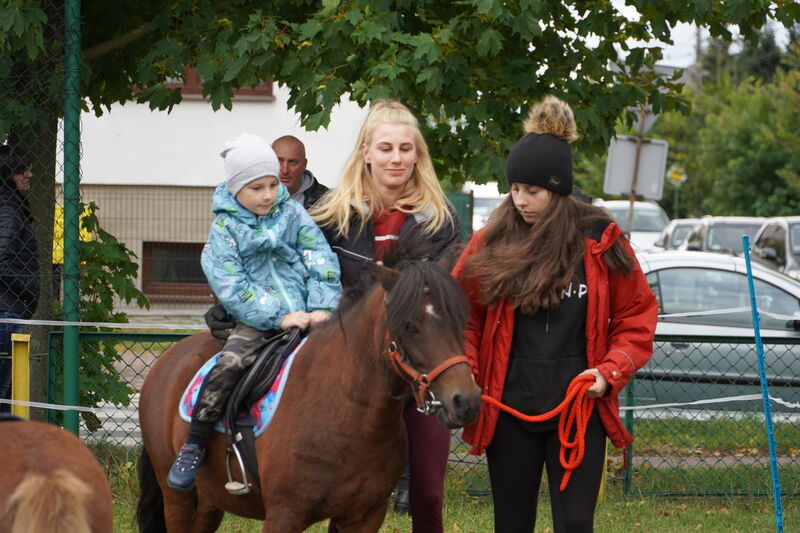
(207, 518)
(371, 523)
(179, 508)
(282, 521)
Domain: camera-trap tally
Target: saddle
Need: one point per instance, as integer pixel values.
(248, 391)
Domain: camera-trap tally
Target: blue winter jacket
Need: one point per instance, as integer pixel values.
(262, 268)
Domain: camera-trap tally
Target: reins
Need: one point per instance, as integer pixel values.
(574, 413)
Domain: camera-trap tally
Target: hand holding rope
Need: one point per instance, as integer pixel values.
(574, 413)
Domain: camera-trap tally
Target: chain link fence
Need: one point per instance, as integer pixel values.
(706, 449)
(718, 448)
(32, 77)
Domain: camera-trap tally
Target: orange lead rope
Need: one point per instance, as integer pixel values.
(574, 411)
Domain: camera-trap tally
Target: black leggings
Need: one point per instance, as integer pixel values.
(516, 458)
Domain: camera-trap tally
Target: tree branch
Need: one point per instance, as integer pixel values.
(120, 41)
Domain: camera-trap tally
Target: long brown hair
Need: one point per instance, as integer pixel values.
(532, 264)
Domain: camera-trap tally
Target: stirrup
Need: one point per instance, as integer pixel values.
(237, 488)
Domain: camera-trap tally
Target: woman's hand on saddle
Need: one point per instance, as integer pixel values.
(299, 319)
(600, 386)
(317, 317)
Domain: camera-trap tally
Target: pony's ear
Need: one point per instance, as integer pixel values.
(450, 255)
(386, 276)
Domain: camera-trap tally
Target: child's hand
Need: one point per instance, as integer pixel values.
(318, 316)
(299, 319)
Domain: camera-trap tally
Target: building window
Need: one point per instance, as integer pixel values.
(171, 272)
(192, 88)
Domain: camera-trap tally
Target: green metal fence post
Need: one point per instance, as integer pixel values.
(72, 109)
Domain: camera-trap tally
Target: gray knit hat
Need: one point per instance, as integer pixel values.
(247, 158)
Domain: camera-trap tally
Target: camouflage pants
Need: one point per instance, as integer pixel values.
(238, 354)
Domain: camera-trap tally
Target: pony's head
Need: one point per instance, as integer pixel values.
(426, 317)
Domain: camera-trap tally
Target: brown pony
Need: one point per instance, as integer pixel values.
(50, 482)
(336, 445)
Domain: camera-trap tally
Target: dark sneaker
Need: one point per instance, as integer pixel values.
(184, 469)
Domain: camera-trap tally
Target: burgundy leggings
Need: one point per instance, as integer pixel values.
(428, 451)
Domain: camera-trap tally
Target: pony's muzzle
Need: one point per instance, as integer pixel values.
(461, 408)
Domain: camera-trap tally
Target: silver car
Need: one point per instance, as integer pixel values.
(675, 233)
(648, 220)
(711, 354)
(721, 234)
(777, 245)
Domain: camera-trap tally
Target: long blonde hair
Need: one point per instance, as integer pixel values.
(422, 189)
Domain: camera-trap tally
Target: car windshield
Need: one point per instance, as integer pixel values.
(679, 234)
(482, 209)
(643, 219)
(794, 238)
(729, 236)
(485, 206)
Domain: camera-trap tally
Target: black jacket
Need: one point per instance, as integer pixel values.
(19, 263)
(313, 193)
(363, 243)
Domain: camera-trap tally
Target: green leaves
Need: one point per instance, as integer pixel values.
(22, 27)
(426, 48)
(471, 68)
(432, 79)
(489, 44)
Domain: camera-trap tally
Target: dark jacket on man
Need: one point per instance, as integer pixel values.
(19, 264)
(310, 190)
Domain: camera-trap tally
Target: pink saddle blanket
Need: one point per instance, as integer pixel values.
(262, 411)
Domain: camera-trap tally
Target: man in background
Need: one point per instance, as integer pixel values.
(302, 184)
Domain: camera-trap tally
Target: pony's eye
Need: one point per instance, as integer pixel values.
(411, 328)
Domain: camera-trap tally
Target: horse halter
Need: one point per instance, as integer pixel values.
(426, 400)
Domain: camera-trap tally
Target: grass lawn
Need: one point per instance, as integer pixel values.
(465, 513)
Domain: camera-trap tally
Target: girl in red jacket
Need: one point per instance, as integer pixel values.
(556, 291)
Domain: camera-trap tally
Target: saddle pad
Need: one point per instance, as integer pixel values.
(262, 411)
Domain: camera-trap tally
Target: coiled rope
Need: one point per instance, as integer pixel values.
(574, 412)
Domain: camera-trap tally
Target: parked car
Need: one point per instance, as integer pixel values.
(485, 198)
(688, 366)
(648, 220)
(777, 245)
(721, 234)
(675, 233)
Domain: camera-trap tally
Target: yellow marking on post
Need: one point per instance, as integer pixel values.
(20, 373)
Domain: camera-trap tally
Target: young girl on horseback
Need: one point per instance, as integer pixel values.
(269, 265)
(556, 292)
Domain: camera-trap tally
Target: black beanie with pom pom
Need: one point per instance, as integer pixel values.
(543, 157)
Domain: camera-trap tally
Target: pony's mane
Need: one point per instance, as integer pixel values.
(427, 277)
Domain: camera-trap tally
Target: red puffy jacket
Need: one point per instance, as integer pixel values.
(621, 317)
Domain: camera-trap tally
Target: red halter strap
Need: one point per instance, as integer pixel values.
(420, 382)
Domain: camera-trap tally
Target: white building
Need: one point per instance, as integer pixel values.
(152, 174)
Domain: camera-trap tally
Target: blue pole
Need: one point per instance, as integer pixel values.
(762, 373)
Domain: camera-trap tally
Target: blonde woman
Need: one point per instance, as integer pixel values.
(387, 189)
